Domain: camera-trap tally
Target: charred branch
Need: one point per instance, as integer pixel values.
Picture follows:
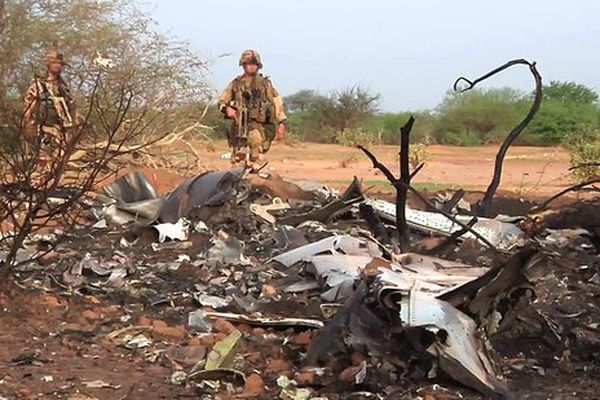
(400, 184)
(397, 182)
(573, 188)
(486, 203)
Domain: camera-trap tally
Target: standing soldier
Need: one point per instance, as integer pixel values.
(256, 111)
(49, 110)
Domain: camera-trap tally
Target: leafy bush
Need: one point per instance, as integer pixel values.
(584, 146)
(418, 154)
(481, 116)
(462, 138)
(355, 137)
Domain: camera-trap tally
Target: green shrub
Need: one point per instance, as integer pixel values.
(463, 138)
(584, 146)
(355, 137)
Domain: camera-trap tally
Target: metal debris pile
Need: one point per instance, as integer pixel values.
(278, 289)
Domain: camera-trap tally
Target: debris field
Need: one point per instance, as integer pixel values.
(235, 286)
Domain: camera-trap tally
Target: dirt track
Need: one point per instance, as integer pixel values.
(529, 171)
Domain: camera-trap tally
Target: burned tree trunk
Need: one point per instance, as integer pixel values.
(484, 207)
(402, 190)
(402, 186)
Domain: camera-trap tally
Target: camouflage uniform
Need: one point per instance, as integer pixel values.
(49, 110)
(259, 109)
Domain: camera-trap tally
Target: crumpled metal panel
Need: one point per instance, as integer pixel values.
(337, 273)
(502, 235)
(462, 353)
(133, 198)
(207, 189)
(131, 188)
(344, 244)
(444, 274)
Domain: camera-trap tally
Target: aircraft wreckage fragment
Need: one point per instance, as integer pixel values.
(133, 198)
(502, 234)
(404, 303)
(399, 307)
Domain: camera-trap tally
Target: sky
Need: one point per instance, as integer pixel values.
(410, 52)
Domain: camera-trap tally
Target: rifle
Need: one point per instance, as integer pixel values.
(59, 103)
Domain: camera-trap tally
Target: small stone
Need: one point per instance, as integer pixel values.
(254, 386)
(91, 315)
(303, 339)
(278, 366)
(305, 378)
(197, 321)
(348, 374)
(268, 291)
(161, 328)
(223, 326)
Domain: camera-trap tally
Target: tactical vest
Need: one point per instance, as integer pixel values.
(47, 113)
(253, 95)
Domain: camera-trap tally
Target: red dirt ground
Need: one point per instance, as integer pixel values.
(536, 171)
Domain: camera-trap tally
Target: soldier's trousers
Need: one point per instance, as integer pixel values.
(255, 142)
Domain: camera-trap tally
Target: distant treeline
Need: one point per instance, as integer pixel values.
(473, 118)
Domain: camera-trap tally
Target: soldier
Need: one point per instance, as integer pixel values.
(49, 110)
(256, 111)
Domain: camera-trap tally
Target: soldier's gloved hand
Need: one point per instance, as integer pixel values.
(230, 112)
(280, 131)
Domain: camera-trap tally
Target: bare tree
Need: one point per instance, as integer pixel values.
(34, 197)
(486, 202)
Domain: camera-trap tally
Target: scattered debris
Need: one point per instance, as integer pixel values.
(267, 321)
(263, 211)
(230, 286)
(136, 342)
(177, 231)
(99, 384)
(197, 320)
(221, 356)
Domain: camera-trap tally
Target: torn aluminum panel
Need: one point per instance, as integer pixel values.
(143, 212)
(132, 198)
(460, 350)
(177, 231)
(211, 188)
(344, 244)
(131, 188)
(435, 272)
(352, 195)
(337, 273)
(502, 235)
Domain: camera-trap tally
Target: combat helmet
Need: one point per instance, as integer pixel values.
(250, 57)
(53, 56)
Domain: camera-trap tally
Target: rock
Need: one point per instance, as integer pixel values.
(277, 366)
(254, 386)
(161, 328)
(303, 339)
(51, 301)
(348, 374)
(221, 325)
(91, 315)
(305, 378)
(197, 321)
(49, 258)
(268, 291)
